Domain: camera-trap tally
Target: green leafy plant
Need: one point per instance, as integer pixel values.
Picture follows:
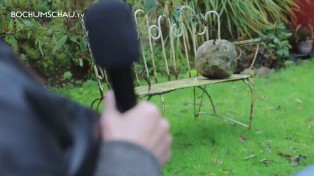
(277, 39)
(273, 51)
(67, 75)
(51, 46)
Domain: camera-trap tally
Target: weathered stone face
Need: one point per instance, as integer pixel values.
(216, 61)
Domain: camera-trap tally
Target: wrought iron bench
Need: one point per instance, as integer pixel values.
(177, 33)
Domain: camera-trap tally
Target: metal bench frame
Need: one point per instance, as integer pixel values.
(179, 33)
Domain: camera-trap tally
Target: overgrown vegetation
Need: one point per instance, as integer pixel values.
(54, 47)
(57, 47)
(277, 39)
(274, 50)
(239, 17)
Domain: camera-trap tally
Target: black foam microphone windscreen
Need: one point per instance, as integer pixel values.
(114, 43)
(112, 34)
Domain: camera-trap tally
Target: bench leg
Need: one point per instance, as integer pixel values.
(100, 77)
(249, 82)
(98, 101)
(163, 104)
(196, 113)
(194, 103)
(204, 92)
(149, 98)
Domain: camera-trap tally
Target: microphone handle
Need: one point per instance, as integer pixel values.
(122, 84)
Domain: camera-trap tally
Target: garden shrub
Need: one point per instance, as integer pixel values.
(239, 17)
(53, 47)
(57, 47)
(275, 48)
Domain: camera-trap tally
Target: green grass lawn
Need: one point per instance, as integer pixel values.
(284, 123)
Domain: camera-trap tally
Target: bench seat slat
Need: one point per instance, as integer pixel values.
(161, 88)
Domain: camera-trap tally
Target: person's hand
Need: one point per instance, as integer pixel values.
(142, 125)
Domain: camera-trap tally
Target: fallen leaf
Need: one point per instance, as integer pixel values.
(294, 149)
(259, 132)
(242, 138)
(309, 120)
(248, 157)
(289, 137)
(261, 90)
(218, 162)
(262, 97)
(287, 156)
(296, 160)
(228, 171)
(299, 101)
(186, 145)
(267, 148)
(267, 161)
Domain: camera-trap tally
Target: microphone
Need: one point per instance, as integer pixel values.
(114, 44)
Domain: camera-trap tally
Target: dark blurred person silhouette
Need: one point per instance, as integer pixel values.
(42, 134)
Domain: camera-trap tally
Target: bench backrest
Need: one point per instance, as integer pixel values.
(174, 38)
